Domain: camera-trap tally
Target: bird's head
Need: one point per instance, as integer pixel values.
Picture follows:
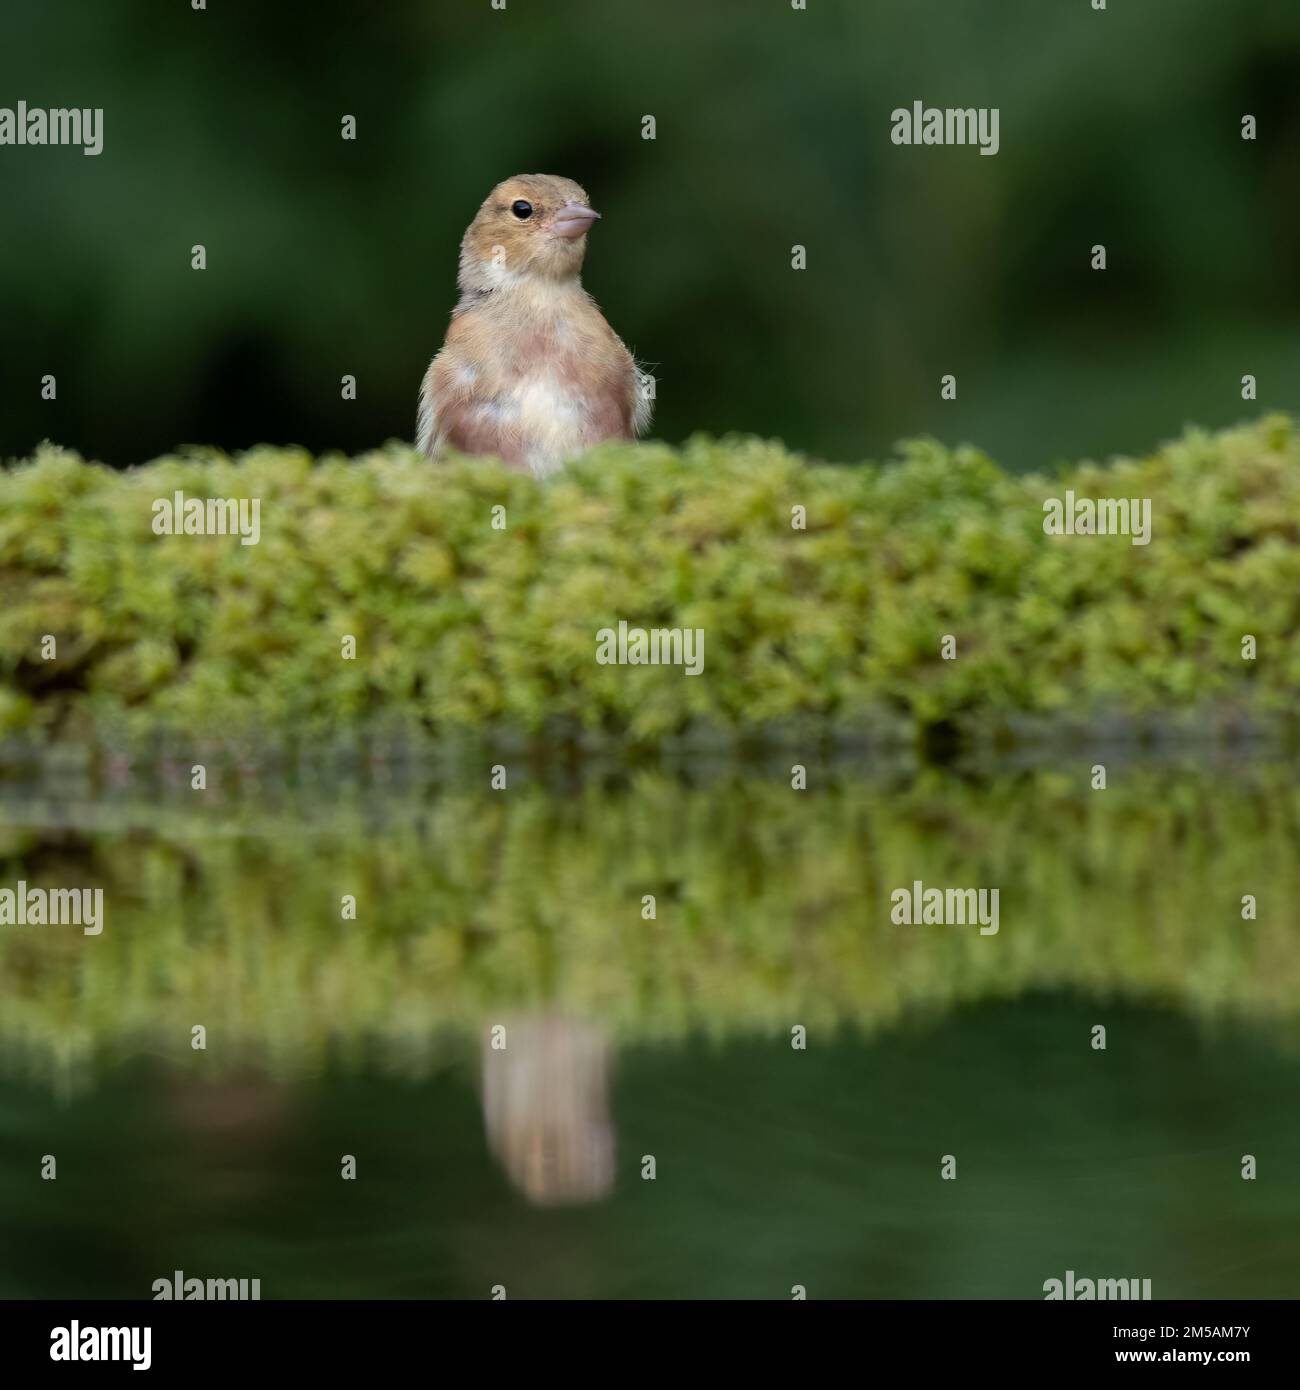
(533, 225)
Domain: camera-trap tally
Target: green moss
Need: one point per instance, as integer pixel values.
(463, 626)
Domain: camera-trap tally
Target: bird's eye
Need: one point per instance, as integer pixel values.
(522, 210)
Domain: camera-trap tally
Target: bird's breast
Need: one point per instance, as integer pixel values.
(536, 376)
(555, 398)
(551, 420)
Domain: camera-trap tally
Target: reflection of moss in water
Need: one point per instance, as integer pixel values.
(772, 910)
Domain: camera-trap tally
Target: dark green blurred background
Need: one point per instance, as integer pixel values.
(328, 257)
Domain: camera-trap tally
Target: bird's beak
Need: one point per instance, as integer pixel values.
(573, 219)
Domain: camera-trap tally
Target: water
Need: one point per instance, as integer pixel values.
(520, 917)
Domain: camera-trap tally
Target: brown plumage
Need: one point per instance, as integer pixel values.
(530, 370)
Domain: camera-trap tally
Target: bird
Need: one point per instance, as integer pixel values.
(529, 370)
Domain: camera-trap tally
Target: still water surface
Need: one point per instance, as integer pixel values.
(521, 917)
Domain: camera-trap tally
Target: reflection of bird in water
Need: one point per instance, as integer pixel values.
(234, 1122)
(546, 1108)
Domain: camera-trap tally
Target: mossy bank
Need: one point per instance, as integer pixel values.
(924, 593)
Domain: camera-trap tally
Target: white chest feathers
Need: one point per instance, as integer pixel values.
(551, 419)
(541, 401)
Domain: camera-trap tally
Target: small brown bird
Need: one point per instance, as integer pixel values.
(529, 371)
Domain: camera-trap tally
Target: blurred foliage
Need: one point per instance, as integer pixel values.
(772, 910)
(329, 257)
(460, 626)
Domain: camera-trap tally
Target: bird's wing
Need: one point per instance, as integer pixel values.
(448, 387)
(428, 437)
(644, 402)
(458, 401)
